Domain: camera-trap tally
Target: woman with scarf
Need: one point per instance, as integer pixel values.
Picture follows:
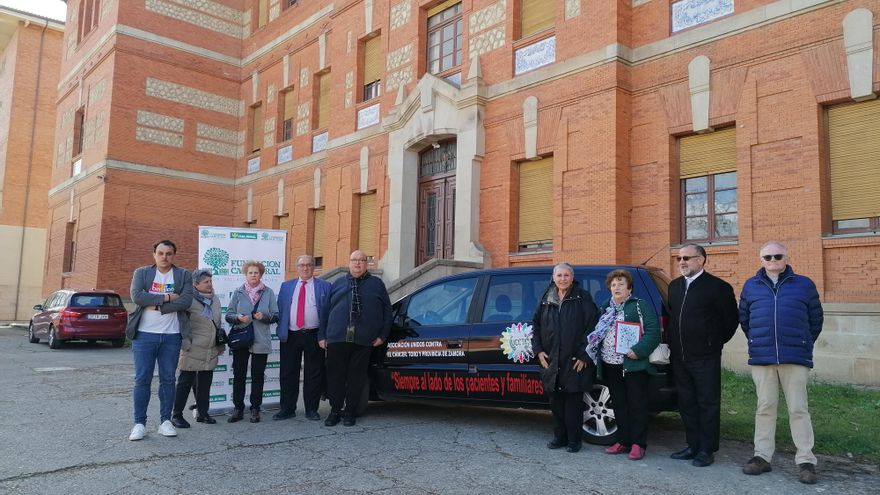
(626, 371)
(255, 303)
(561, 323)
(198, 351)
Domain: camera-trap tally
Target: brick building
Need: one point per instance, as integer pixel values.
(488, 132)
(30, 47)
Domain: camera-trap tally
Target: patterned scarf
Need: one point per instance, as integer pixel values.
(606, 322)
(353, 284)
(206, 299)
(254, 292)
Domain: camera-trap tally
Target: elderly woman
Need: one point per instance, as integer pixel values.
(561, 323)
(626, 319)
(198, 351)
(252, 302)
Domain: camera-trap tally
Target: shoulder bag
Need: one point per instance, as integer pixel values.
(243, 337)
(660, 354)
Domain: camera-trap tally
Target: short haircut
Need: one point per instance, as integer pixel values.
(200, 274)
(700, 250)
(165, 242)
(250, 263)
(307, 257)
(619, 273)
(774, 243)
(563, 265)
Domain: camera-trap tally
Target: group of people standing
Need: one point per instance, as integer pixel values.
(326, 329)
(779, 312)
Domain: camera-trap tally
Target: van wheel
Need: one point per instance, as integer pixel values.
(600, 425)
(54, 341)
(31, 337)
(365, 397)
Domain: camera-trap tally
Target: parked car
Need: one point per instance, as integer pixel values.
(90, 315)
(466, 338)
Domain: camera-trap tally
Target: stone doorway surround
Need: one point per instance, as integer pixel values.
(436, 110)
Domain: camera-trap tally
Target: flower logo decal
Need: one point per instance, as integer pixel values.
(516, 342)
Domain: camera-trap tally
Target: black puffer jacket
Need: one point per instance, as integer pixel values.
(560, 330)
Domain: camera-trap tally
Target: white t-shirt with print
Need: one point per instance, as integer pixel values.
(152, 320)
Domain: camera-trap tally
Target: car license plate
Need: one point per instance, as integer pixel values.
(97, 317)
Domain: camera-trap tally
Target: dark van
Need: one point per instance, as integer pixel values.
(466, 338)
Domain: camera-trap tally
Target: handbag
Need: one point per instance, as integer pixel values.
(243, 337)
(660, 355)
(220, 337)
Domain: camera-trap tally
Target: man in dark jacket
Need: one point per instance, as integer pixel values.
(355, 317)
(703, 318)
(782, 317)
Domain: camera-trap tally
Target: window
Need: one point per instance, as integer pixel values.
(514, 297)
(444, 38)
(78, 135)
(854, 166)
(88, 17)
(708, 186)
(443, 304)
(69, 247)
(262, 13)
(95, 301)
(535, 205)
(289, 3)
(322, 104)
(318, 236)
(281, 222)
(536, 16)
(288, 114)
(368, 224)
(256, 128)
(372, 68)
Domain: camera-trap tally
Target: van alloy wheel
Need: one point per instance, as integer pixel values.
(600, 425)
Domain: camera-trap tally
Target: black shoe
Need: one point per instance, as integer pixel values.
(332, 419)
(255, 415)
(237, 415)
(208, 420)
(179, 422)
(573, 447)
(556, 443)
(685, 453)
(348, 421)
(313, 415)
(282, 415)
(703, 459)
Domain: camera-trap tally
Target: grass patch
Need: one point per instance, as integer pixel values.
(846, 419)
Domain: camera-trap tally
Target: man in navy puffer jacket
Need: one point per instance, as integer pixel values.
(781, 315)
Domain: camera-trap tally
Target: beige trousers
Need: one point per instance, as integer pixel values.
(793, 378)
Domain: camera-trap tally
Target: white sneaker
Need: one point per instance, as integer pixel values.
(166, 429)
(138, 432)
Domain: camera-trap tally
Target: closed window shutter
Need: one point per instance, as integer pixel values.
(441, 7)
(284, 223)
(854, 156)
(289, 105)
(324, 101)
(372, 59)
(537, 15)
(263, 14)
(368, 223)
(707, 154)
(257, 129)
(536, 201)
(318, 234)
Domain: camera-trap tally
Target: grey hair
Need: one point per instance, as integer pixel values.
(305, 256)
(563, 265)
(200, 274)
(775, 243)
(700, 249)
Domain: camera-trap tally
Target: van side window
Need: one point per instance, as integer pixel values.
(514, 297)
(442, 304)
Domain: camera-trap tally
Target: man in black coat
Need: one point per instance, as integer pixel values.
(703, 317)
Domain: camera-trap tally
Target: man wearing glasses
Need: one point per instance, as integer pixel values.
(703, 318)
(781, 315)
(299, 309)
(355, 317)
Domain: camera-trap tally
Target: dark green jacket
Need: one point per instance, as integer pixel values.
(646, 345)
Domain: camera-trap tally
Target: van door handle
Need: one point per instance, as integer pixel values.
(453, 344)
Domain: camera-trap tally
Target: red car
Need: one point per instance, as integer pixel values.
(79, 315)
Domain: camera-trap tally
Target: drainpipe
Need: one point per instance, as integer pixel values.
(30, 166)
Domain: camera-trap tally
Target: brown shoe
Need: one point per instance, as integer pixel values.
(808, 474)
(756, 466)
(237, 415)
(255, 415)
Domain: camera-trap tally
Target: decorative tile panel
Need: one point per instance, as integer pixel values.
(302, 111)
(101, 126)
(572, 9)
(535, 55)
(106, 5)
(96, 92)
(395, 79)
(268, 140)
(269, 125)
(319, 142)
(219, 133)
(194, 97)
(402, 55)
(368, 116)
(201, 13)
(303, 77)
(690, 13)
(159, 121)
(270, 93)
(349, 99)
(349, 80)
(274, 9)
(400, 14)
(159, 137)
(220, 149)
(253, 165)
(486, 42)
(284, 154)
(487, 17)
(302, 127)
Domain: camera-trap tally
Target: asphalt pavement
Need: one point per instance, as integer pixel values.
(66, 415)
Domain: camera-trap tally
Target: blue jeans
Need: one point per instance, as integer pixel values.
(148, 349)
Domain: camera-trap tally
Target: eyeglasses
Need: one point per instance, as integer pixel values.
(687, 258)
(358, 260)
(777, 257)
(304, 265)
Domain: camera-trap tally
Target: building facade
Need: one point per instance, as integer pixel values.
(488, 132)
(30, 48)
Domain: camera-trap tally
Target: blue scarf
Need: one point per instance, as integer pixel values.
(206, 301)
(606, 322)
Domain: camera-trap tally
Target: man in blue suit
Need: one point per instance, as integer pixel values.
(299, 307)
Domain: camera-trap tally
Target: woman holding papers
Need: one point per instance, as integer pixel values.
(625, 336)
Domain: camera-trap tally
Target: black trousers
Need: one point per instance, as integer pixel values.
(699, 401)
(347, 365)
(301, 348)
(239, 377)
(630, 397)
(568, 416)
(200, 383)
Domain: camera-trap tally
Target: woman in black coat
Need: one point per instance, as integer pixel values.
(561, 323)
